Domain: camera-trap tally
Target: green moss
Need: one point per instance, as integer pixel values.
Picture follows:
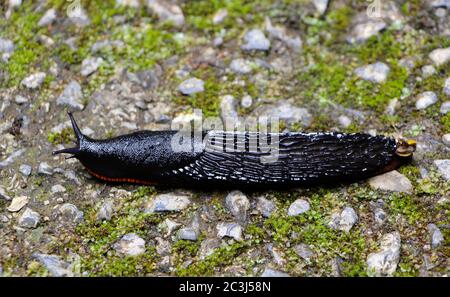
(219, 258)
(65, 136)
(358, 93)
(445, 120)
(407, 206)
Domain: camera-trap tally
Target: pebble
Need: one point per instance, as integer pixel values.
(54, 264)
(446, 139)
(246, 101)
(163, 247)
(171, 226)
(445, 107)
(167, 202)
(58, 189)
(440, 56)
(78, 16)
(240, 66)
(107, 44)
(238, 204)
(44, 169)
(280, 33)
(428, 70)
(208, 246)
(232, 230)
(167, 12)
(20, 99)
(128, 3)
(269, 272)
(426, 99)
(447, 86)
(34, 80)
(443, 167)
(70, 213)
(11, 158)
(130, 245)
(287, 112)
(48, 18)
(265, 206)
(344, 121)
(220, 16)
(6, 46)
(384, 263)
(343, 221)
(191, 86)
(321, 5)
(298, 207)
(29, 219)
(25, 169)
(18, 203)
(436, 236)
(392, 181)
(304, 251)
(3, 194)
(106, 210)
(363, 31)
(380, 216)
(90, 65)
(188, 233)
(228, 111)
(376, 73)
(72, 96)
(255, 40)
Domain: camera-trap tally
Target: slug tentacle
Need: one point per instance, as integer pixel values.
(72, 150)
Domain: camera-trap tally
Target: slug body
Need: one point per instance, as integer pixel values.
(149, 157)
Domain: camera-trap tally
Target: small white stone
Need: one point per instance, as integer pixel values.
(240, 66)
(238, 204)
(392, 181)
(445, 107)
(321, 5)
(17, 203)
(167, 202)
(58, 189)
(426, 99)
(246, 101)
(29, 219)
(446, 139)
(20, 99)
(191, 86)
(220, 16)
(363, 31)
(130, 244)
(167, 12)
(443, 167)
(48, 17)
(90, 65)
(436, 236)
(428, 70)
(440, 56)
(385, 262)
(447, 86)
(255, 40)
(377, 72)
(34, 80)
(232, 230)
(298, 207)
(344, 121)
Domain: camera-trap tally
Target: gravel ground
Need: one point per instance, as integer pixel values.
(128, 65)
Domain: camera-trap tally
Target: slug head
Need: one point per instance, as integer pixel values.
(405, 147)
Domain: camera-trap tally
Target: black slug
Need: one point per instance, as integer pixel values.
(230, 158)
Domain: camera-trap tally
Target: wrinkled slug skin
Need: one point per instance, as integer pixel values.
(147, 157)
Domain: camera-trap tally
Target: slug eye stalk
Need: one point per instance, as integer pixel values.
(72, 150)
